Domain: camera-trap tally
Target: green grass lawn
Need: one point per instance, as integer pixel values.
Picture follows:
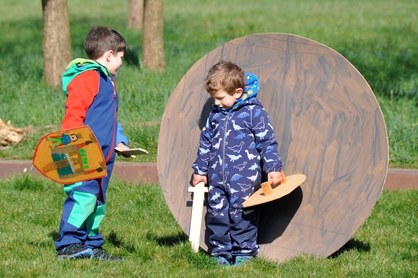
(378, 37)
(140, 227)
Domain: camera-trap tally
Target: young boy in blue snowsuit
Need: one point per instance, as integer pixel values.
(92, 100)
(236, 140)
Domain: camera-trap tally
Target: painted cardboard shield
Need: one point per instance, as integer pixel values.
(69, 156)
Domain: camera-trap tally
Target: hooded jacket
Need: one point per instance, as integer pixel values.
(93, 101)
(236, 143)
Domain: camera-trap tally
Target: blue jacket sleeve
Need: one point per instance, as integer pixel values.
(266, 143)
(120, 137)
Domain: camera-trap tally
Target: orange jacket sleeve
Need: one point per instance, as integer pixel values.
(81, 92)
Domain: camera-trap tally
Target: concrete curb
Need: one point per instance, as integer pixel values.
(140, 173)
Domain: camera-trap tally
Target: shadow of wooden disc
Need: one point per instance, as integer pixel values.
(329, 127)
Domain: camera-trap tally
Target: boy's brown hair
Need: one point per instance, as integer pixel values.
(101, 39)
(224, 75)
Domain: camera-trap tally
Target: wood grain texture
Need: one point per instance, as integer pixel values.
(329, 127)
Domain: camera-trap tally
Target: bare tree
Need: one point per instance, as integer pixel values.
(136, 14)
(152, 35)
(56, 41)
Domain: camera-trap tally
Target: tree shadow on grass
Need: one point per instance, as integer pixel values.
(352, 244)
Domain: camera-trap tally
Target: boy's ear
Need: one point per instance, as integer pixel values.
(108, 54)
(238, 93)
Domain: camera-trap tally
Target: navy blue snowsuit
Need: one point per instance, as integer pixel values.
(232, 145)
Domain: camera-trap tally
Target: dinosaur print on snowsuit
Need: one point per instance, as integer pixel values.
(234, 145)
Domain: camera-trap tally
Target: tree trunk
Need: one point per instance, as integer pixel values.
(56, 41)
(136, 14)
(152, 36)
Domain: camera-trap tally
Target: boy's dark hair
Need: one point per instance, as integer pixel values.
(101, 39)
(224, 75)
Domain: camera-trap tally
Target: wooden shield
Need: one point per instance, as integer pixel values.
(329, 127)
(262, 196)
(69, 156)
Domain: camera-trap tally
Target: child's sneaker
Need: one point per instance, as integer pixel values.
(242, 259)
(74, 251)
(222, 260)
(99, 254)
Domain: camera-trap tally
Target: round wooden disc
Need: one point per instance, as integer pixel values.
(329, 127)
(279, 191)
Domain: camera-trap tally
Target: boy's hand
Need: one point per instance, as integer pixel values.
(198, 178)
(274, 177)
(122, 147)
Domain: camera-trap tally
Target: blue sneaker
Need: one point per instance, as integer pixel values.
(222, 260)
(242, 259)
(74, 251)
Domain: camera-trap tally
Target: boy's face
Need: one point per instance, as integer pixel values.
(224, 100)
(114, 62)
